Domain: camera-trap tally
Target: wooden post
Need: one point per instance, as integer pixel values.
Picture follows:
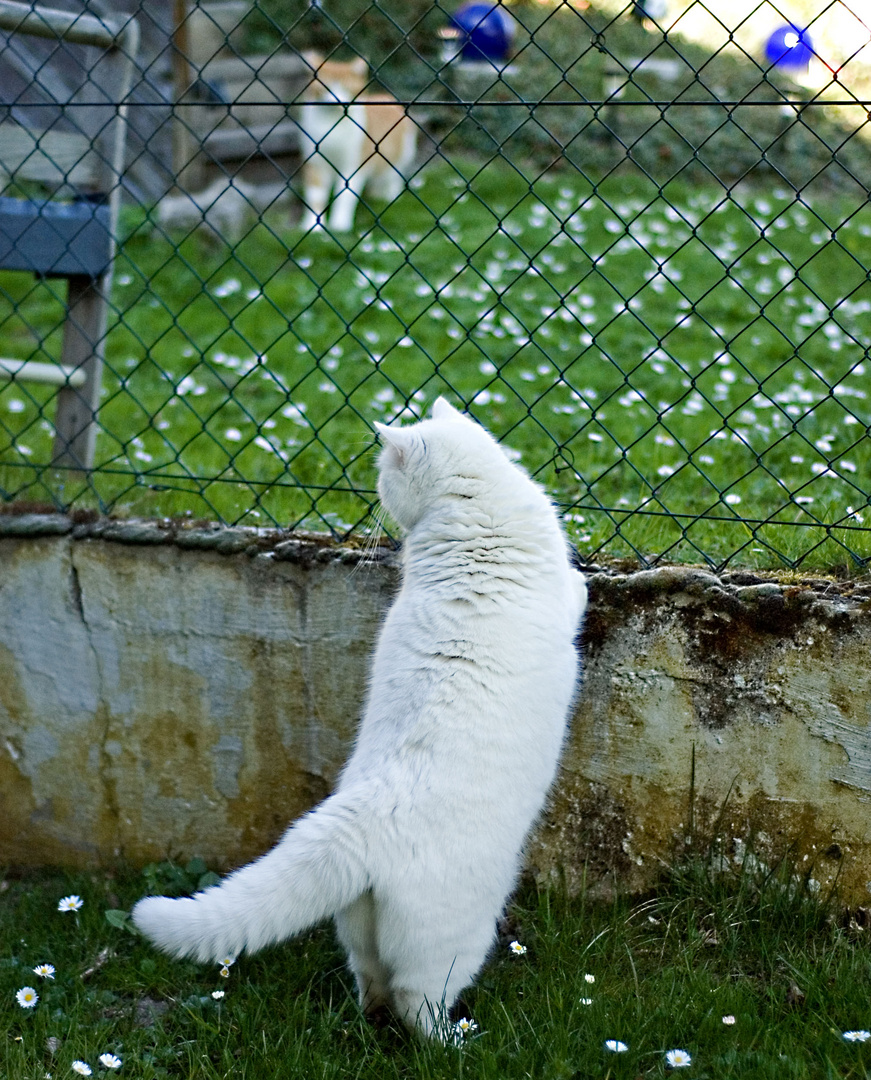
(185, 148)
(99, 110)
(83, 350)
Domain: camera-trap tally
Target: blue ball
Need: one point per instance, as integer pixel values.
(487, 31)
(789, 47)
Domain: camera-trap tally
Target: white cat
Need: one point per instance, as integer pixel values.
(349, 142)
(474, 674)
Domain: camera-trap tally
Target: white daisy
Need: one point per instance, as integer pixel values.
(678, 1059)
(227, 961)
(517, 948)
(857, 1036)
(225, 972)
(110, 1061)
(82, 1068)
(729, 1019)
(616, 1046)
(45, 971)
(586, 1001)
(217, 994)
(70, 903)
(590, 978)
(465, 1026)
(27, 997)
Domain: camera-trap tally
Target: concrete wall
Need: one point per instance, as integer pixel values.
(172, 689)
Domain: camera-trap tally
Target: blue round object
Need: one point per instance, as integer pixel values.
(790, 48)
(487, 32)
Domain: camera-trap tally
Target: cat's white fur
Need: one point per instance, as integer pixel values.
(474, 673)
(351, 140)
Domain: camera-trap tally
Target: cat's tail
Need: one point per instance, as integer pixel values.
(316, 870)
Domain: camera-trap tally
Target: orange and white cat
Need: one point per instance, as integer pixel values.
(350, 140)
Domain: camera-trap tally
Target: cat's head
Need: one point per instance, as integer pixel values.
(335, 80)
(448, 457)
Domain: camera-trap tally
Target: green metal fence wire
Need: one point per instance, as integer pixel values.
(638, 252)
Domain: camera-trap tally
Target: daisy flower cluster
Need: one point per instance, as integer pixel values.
(108, 1061)
(681, 1059)
(27, 998)
(674, 1059)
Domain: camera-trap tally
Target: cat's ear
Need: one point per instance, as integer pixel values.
(443, 410)
(396, 439)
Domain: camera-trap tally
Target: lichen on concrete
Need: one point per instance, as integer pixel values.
(181, 688)
(744, 708)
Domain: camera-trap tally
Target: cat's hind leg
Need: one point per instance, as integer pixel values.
(347, 196)
(387, 183)
(356, 929)
(432, 959)
(319, 178)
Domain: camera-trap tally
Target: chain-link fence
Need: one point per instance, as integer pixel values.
(634, 241)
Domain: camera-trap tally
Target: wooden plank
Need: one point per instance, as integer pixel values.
(33, 69)
(61, 25)
(263, 78)
(234, 144)
(50, 157)
(36, 371)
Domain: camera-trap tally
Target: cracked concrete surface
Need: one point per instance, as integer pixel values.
(190, 693)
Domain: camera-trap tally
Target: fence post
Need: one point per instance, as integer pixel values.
(83, 350)
(100, 111)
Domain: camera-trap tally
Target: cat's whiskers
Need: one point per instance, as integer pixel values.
(373, 540)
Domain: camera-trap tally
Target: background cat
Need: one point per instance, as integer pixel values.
(350, 143)
(472, 681)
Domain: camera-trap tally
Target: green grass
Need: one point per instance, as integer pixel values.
(683, 370)
(751, 945)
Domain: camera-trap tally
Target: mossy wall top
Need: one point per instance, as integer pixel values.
(189, 690)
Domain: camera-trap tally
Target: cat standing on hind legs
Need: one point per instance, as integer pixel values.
(471, 686)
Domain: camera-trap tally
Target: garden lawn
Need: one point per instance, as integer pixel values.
(685, 370)
(746, 972)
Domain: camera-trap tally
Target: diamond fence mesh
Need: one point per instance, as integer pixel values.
(633, 241)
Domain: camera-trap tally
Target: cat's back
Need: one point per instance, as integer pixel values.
(476, 665)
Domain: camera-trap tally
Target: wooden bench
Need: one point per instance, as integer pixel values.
(77, 155)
